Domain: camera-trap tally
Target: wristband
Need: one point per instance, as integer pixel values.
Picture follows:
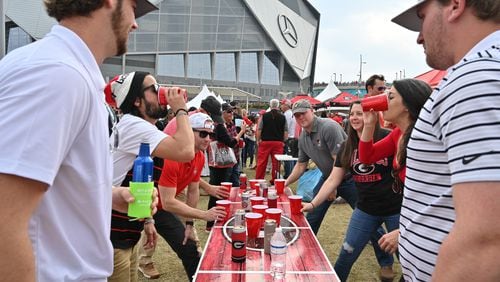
(312, 205)
(184, 111)
(189, 222)
(149, 220)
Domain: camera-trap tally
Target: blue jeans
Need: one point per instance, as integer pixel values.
(347, 190)
(288, 165)
(361, 228)
(235, 174)
(248, 152)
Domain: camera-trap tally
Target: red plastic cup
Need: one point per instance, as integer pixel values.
(260, 209)
(253, 221)
(377, 103)
(279, 184)
(256, 200)
(295, 203)
(227, 185)
(227, 206)
(162, 95)
(254, 184)
(274, 214)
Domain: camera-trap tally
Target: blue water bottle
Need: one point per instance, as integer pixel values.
(142, 185)
(143, 165)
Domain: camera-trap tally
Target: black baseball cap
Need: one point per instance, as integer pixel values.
(213, 108)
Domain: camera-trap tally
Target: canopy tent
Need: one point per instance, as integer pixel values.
(344, 99)
(329, 92)
(309, 98)
(222, 94)
(433, 77)
(196, 101)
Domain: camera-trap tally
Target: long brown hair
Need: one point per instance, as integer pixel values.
(414, 94)
(351, 143)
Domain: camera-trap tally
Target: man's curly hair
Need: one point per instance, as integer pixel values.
(60, 9)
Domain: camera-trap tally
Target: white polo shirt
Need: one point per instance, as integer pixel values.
(54, 129)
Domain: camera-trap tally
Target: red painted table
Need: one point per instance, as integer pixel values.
(306, 260)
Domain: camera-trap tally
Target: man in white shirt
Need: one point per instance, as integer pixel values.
(136, 94)
(55, 154)
(291, 141)
(449, 227)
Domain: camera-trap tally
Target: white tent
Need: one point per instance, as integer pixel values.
(329, 92)
(196, 101)
(219, 98)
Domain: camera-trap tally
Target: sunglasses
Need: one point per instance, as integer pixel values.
(154, 87)
(204, 134)
(229, 111)
(381, 88)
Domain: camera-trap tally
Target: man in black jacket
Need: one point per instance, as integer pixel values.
(271, 133)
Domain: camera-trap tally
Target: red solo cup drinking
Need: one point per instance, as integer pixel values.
(275, 214)
(256, 200)
(227, 206)
(254, 184)
(377, 103)
(295, 203)
(227, 186)
(162, 94)
(260, 209)
(253, 221)
(279, 184)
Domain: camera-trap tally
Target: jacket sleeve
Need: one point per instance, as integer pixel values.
(223, 136)
(370, 153)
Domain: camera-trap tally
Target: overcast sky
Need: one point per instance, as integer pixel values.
(349, 29)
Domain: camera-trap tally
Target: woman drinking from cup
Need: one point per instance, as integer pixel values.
(406, 99)
(377, 203)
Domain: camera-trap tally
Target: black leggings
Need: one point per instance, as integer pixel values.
(172, 230)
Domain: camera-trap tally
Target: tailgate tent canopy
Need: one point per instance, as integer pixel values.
(328, 93)
(432, 77)
(222, 94)
(344, 99)
(309, 98)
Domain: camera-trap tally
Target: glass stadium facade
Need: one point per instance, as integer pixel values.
(260, 46)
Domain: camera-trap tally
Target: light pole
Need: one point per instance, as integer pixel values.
(360, 72)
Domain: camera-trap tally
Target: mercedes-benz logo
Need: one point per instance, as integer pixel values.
(288, 31)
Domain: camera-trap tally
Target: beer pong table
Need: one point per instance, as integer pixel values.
(306, 260)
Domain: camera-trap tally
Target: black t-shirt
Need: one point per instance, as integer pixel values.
(374, 184)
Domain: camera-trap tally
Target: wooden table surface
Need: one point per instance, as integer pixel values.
(305, 261)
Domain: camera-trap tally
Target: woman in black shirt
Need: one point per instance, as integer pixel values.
(377, 202)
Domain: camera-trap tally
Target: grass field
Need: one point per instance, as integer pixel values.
(330, 236)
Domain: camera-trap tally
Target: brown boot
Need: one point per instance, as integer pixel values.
(386, 273)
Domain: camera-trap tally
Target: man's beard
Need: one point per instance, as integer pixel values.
(118, 29)
(153, 112)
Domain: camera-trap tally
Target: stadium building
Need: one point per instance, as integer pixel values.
(262, 47)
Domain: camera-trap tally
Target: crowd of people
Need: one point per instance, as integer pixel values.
(425, 168)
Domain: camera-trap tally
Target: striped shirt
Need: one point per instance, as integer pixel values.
(455, 140)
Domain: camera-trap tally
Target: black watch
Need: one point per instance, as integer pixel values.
(189, 222)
